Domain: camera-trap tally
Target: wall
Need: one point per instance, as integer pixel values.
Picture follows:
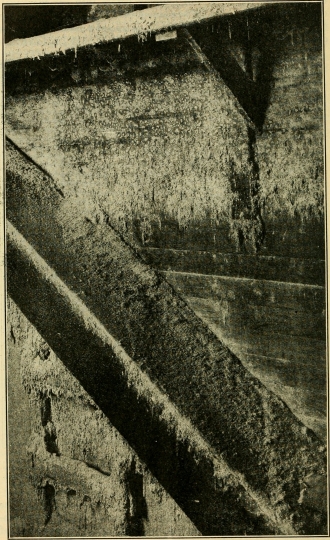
(120, 140)
(146, 139)
(290, 148)
(85, 480)
(121, 118)
(112, 126)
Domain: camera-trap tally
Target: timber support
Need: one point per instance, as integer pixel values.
(228, 451)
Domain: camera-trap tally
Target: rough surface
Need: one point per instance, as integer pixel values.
(87, 480)
(237, 416)
(161, 147)
(277, 330)
(290, 149)
(217, 499)
(121, 146)
(129, 129)
(162, 17)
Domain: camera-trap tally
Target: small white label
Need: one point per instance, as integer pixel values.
(166, 36)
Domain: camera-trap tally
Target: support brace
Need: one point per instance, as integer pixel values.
(225, 448)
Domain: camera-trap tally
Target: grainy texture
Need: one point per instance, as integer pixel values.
(96, 483)
(276, 329)
(236, 415)
(188, 467)
(139, 135)
(120, 147)
(159, 18)
(240, 265)
(290, 149)
(161, 147)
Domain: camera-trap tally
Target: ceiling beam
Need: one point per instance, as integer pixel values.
(137, 23)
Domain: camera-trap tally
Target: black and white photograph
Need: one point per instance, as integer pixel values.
(165, 251)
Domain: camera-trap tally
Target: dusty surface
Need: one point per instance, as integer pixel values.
(216, 498)
(290, 149)
(237, 416)
(122, 146)
(115, 150)
(276, 329)
(114, 494)
(161, 147)
(139, 23)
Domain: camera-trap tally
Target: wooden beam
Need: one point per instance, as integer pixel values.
(237, 265)
(224, 64)
(215, 55)
(141, 412)
(224, 447)
(138, 23)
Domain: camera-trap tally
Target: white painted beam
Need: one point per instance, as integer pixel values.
(137, 23)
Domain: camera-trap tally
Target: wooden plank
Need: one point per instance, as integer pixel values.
(278, 346)
(285, 237)
(261, 267)
(215, 54)
(257, 292)
(302, 391)
(223, 64)
(288, 348)
(164, 17)
(292, 367)
(294, 375)
(248, 320)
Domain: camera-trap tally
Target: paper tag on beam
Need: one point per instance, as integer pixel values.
(165, 36)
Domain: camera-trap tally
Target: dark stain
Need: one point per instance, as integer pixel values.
(137, 505)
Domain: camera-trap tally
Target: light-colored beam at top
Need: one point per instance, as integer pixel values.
(137, 23)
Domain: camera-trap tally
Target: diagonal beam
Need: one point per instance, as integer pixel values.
(228, 451)
(166, 440)
(149, 21)
(220, 61)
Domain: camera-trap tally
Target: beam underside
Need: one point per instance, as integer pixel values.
(138, 23)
